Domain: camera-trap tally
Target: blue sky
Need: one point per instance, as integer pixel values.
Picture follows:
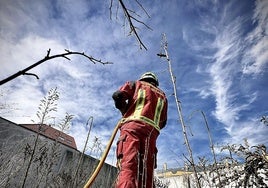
(218, 50)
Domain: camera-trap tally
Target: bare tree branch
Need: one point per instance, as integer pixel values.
(48, 57)
(129, 14)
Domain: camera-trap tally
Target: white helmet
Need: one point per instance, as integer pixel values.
(149, 76)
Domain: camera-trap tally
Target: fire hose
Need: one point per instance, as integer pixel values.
(103, 157)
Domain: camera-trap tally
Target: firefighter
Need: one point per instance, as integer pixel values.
(144, 109)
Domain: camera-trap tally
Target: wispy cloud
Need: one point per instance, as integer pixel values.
(223, 46)
(225, 73)
(256, 55)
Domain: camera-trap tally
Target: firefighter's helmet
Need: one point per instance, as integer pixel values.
(149, 76)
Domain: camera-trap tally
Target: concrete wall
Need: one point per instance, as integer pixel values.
(53, 165)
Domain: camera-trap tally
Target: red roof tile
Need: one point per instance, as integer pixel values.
(54, 134)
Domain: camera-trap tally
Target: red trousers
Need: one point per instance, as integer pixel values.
(136, 154)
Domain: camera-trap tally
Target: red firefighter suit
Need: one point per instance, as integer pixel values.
(144, 109)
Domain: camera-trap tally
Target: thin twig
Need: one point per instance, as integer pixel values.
(130, 19)
(143, 8)
(84, 150)
(31, 74)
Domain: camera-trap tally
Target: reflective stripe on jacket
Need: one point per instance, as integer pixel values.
(145, 103)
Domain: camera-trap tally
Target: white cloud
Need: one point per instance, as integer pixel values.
(225, 74)
(255, 58)
(253, 131)
(25, 52)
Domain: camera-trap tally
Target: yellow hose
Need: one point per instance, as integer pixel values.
(103, 157)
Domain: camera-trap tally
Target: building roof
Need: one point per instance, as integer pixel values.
(52, 133)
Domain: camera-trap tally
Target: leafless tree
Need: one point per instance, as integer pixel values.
(132, 18)
(179, 107)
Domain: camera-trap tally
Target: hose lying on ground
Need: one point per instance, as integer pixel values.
(103, 157)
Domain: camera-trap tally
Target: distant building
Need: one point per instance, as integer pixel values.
(56, 160)
(172, 173)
